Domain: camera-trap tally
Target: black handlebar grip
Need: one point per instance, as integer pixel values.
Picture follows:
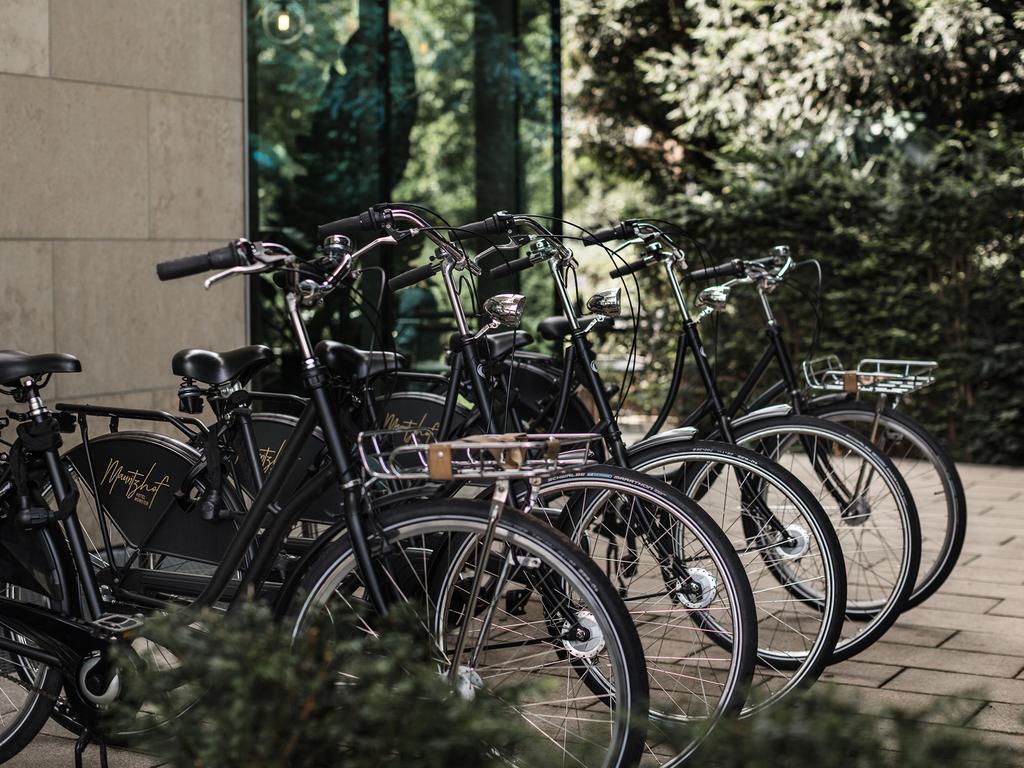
(225, 258)
(367, 221)
(413, 276)
(629, 269)
(511, 267)
(732, 268)
(492, 225)
(221, 258)
(622, 231)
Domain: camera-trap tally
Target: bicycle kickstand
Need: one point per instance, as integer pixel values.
(84, 741)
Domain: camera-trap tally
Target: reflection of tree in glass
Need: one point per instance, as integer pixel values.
(358, 142)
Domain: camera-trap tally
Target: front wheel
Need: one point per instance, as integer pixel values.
(547, 627)
(787, 549)
(683, 584)
(931, 476)
(870, 507)
(28, 689)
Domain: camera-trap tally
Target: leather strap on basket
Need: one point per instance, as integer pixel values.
(439, 461)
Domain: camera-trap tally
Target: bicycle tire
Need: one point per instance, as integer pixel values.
(335, 570)
(773, 436)
(783, 650)
(942, 531)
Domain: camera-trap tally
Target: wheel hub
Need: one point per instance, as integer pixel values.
(858, 512)
(699, 590)
(796, 544)
(583, 639)
(469, 682)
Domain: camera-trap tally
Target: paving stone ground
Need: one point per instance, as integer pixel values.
(964, 646)
(967, 641)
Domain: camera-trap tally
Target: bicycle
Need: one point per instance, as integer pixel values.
(791, 659)
(64, 638)
(925, 465)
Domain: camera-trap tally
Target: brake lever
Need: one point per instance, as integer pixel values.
(515, 242)
(266, 256)
(246, 270)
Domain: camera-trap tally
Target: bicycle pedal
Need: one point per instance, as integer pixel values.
(117, 623)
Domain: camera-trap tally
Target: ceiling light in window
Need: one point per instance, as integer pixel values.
(283, 22)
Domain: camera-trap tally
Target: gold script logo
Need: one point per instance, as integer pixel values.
(392, 421)
(268, 456)
(138, 487)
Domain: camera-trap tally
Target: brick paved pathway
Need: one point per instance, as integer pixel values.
(966, 641)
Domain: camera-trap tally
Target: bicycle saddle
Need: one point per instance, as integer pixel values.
(15, 365)
(217, 368)
(357, 364)
(501, 344)
(557, 327)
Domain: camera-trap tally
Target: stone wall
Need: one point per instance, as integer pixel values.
(121, 144)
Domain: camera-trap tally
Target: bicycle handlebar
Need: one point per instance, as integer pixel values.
(621, 231)
(413, 276)
(367, 221)
(732, 268)
(219, 258)
(512, 267)
(631, 267)
(496, 224)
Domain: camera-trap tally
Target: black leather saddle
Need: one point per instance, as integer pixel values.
(15, 365)
(557, 327)
(357, 364)
(499, 345)
(217, 368)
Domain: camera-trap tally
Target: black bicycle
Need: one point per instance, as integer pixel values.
(928, 469)
(455, 560)
(777, 528)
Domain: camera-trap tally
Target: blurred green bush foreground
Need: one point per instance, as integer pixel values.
(881, 137)
(252, 698)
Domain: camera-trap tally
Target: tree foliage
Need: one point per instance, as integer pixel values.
(881, 137)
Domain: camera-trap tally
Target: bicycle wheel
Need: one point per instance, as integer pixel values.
(547, 619)
(869, 506)
(28, 688)
(683, 585)
(932, 477)
(787, 548)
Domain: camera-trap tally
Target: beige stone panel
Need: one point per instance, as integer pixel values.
(26, 296)
(26, 301)
(25, 37)
(196, 176)
(72, 160)
(194, 46)
(125, 324)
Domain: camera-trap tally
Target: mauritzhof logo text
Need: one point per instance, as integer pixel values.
(139, 486)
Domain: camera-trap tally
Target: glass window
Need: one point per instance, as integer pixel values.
(451, 104)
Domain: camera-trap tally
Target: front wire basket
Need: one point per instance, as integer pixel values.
(877, 375)
(414, 455)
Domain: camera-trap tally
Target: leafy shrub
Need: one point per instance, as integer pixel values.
(885, 139)
(252, 698)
